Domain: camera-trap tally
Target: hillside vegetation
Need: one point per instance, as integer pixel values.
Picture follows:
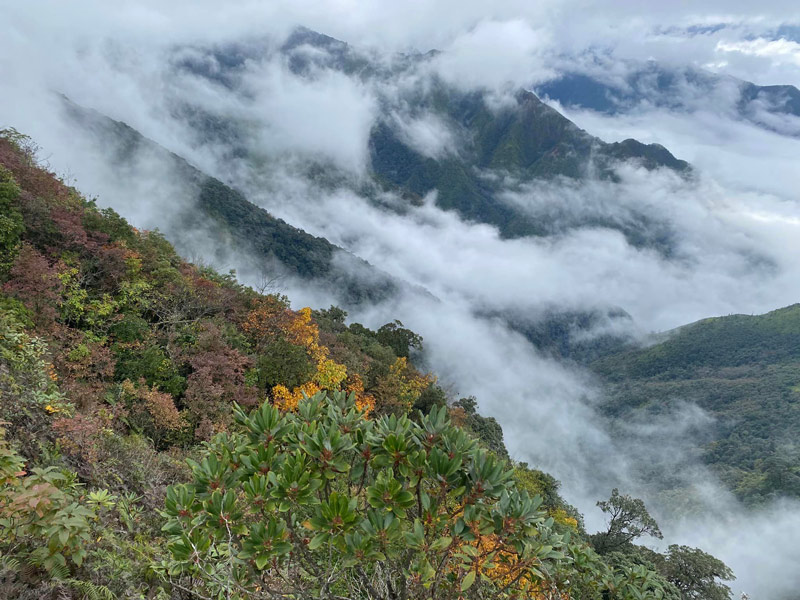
(745, 372)
(168, 433)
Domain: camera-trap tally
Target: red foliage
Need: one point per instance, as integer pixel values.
(32, 178)
(34, 281)
(85, 368)
(218, 377)
(79, 436)
(111, 266)
(69, 225)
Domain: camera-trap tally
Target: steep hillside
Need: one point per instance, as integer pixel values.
(742, 370)
(522, 142)
(233, 223)
(168, 433)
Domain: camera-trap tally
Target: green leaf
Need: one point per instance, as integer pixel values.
(467, 582)
(261, 560)
(441, 543)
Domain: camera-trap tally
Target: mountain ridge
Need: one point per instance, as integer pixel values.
(679, 89)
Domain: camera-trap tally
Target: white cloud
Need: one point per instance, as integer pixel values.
(427, 134)
(495, 55)
(780, 50)
(329, 116)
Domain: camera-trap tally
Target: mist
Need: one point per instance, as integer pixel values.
(734, 226)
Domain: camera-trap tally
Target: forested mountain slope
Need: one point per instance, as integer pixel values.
(231, 222)
(523, 141)
(485, 146)
(745, 372)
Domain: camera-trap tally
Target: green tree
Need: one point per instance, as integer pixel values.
(11, 225)
(284, 363)
(695, 573)
(487, 429)
(629, 520)
(398, 338)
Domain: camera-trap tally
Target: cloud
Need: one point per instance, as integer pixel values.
(759, 544)
(780, 50)
(428, 134)
(329, 116)
(495, 55)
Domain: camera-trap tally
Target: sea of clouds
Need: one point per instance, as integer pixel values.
(735, 226)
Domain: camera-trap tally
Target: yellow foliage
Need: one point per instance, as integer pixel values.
(330, 374)
(302, 331)
(288, 401)
(402, 386)
(364, 402)
(283, 398)
(307, 389)
(561, 516)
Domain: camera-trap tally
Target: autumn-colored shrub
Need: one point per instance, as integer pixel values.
(323, 502)
(42, 523)
(218, 377)
(35, 282)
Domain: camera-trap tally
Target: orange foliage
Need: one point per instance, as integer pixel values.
(162, 409)
(507, 569)
(364, 402)
(264, 321)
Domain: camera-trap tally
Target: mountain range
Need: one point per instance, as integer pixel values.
(493, 149)
(643, 86)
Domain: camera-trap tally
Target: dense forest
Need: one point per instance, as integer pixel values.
(742, 370)
(166, 432)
